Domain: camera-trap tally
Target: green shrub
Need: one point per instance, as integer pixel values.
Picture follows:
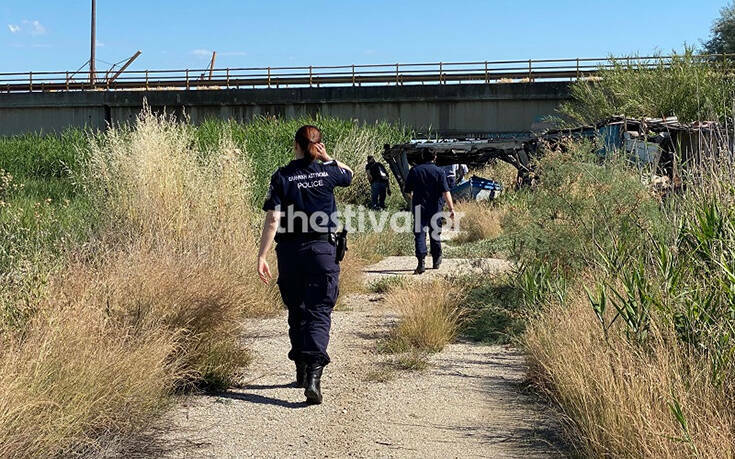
(583, 208)
(268, 142)
(690, 87)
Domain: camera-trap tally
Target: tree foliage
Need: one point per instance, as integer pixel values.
(722, 39)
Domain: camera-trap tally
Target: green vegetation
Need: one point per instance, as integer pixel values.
(623, 284)
(690, 87)
(494, 311)
(623, 301)
(268, 143)
(722, 39)
(623, 297)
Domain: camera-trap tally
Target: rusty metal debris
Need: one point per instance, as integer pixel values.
(662, 142)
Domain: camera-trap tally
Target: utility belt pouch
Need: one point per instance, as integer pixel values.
(341, 245)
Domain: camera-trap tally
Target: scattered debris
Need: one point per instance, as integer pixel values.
(663, 143)
(476, 189)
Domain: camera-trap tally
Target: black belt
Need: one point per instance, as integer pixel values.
(304, 237)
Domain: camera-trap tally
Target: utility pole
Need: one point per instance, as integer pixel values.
(94, 43)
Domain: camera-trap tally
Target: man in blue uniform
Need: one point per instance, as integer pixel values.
(379, 183)
(451, 172)
(427, 185)
(301, 205)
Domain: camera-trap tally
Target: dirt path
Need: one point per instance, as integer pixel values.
(470, 402)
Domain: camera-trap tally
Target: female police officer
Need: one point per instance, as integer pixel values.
(300, 205)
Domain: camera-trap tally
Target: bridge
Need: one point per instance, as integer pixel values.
(448, 98)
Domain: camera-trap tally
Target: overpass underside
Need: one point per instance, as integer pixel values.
(446, 110)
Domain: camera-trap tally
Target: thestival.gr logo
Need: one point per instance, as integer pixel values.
(358, 219)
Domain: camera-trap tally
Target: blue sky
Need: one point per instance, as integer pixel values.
(54, 34)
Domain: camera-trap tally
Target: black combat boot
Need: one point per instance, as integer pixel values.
(437, 261)
(421, 268)
(301, 374)
(313, 391)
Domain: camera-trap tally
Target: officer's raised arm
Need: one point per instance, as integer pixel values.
(343, 180)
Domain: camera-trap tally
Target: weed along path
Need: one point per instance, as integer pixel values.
(469, 401)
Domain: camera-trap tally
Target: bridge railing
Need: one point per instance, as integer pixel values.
(337, 75)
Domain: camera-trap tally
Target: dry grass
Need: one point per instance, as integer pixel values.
(75, 375)
(480, 220)
(622, 398)
(500, 171)
(430, 315)
(387, 284)
(151, 306)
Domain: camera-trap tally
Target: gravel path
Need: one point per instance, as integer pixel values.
(470, 402)
(404, 266)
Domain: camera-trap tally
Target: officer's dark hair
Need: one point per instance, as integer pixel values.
(370, 158)
(307, 137)
(428, 155)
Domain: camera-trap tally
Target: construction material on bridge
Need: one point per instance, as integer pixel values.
(341, 75)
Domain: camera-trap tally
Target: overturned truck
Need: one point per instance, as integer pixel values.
(663, 143)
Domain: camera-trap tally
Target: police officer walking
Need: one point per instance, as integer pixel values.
(427, 186)
(300, 207)
(379, 183)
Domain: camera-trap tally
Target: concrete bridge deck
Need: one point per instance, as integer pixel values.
(447, 109)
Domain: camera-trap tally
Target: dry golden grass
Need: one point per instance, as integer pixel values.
(75, 375)
(480, 220)
(430, 314)
(152, 306)
(621, 397)
(500, 171)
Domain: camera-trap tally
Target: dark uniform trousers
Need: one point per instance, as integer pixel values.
(308, 278)
(378, 191)
(422, 219)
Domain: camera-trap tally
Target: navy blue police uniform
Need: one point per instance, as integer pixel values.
(427, 182)
(378, 184)
(308, 274)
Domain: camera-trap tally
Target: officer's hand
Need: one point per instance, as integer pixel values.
(451, 217)
(321, 152)
(264, 271)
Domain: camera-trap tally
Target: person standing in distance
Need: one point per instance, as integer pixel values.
(427, 186)
(379, 183)
(300, 206)
(451, 173)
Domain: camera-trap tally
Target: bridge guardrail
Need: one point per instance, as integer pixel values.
(334, 75)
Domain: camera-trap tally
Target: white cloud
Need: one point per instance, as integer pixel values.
(14, 28)
(202, 52)
(36, 27)
(207, 53)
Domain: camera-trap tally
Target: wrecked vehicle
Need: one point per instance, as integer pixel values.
(662, 143)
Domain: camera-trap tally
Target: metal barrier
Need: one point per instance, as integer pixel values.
(340, 75)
